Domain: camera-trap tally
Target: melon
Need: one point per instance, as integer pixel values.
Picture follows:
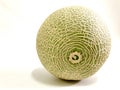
(73, 43)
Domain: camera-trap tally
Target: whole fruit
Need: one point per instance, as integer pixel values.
(73, 43)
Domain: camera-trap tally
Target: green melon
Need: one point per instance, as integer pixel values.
(73, 43)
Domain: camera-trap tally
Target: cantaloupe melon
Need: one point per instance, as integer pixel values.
(73, 43)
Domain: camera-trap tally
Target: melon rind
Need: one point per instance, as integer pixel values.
(70, 30)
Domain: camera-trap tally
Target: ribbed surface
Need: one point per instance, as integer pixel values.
(73, 30)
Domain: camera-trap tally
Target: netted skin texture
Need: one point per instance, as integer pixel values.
(73, 43)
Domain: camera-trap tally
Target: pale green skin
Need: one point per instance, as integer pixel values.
(73, 30)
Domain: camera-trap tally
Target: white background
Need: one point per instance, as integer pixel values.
(19, 64)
